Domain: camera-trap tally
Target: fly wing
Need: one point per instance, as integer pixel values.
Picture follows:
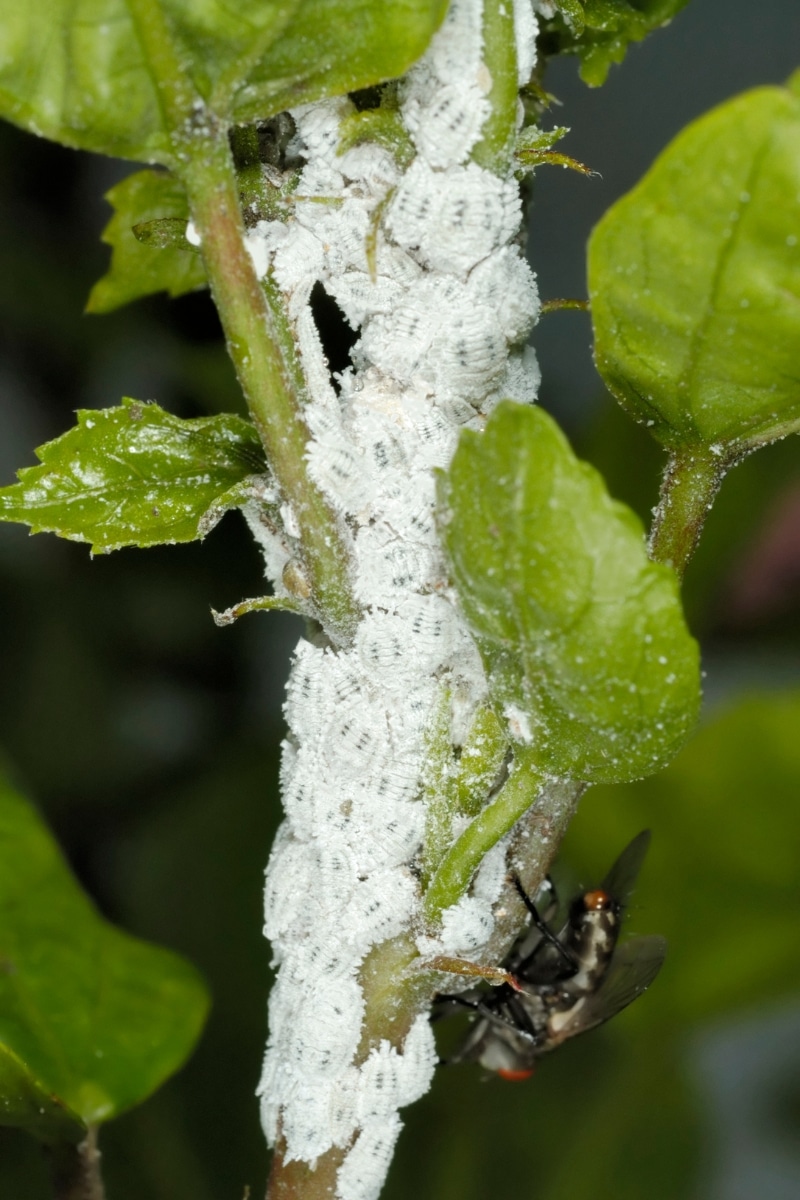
(633, 968)
(621, 879)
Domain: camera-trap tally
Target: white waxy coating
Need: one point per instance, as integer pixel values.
(442, 332)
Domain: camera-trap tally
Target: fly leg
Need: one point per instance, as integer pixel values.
(544, 930)
(446, 998)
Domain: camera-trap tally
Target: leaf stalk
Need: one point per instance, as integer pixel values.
(495, 150)
(76, 1169)
(689, 487)
(496, 819)
(255, 339)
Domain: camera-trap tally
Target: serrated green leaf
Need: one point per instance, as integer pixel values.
(694, 279)
(135, 476)
(91, 1020)
(75, 71)
(138, 268)
(583, 637)
(601, 33)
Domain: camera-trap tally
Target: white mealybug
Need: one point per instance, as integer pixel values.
(442, 326)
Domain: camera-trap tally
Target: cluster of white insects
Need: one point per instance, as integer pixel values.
(444, 314)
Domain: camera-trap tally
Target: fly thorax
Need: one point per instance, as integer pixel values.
(594, 929)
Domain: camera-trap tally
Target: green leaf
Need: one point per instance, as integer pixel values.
(75, 71)
(27, 1103)
(572, 12)
(91, 1020)
(694, 279)
(136, 476)
(141, 263)
(583, 637)
(335, 46)
(600, 31)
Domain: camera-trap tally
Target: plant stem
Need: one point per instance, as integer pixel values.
(689, 487)
(298, 1181)
(464, 856)
(496, 148)
(268, 380)
(393, 997)
(76, 1169)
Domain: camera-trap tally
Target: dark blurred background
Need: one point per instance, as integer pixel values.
(149, 738)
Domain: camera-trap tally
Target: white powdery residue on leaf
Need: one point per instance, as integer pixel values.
(519, 723)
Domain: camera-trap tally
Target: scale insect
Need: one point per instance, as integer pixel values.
(565, 982)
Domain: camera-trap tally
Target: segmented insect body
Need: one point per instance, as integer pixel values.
(567, 982)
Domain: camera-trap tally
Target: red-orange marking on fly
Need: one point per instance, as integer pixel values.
(515, 1076)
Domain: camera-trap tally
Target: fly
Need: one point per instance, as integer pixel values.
(564, 983)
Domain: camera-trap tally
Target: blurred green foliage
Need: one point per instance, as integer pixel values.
(98, 1018)
(599, 32)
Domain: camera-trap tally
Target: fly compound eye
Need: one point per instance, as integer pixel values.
(597, 901)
